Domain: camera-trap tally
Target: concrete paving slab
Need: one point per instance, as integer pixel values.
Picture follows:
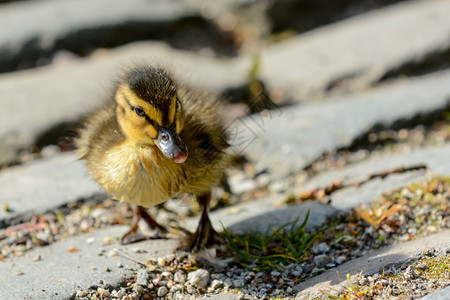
(43, 185)
(435, 158)
(30, 30)
(441, 295)
(286, 140)
(360, 49)
(374, 262)
(35, 100)
(59, 273)
(261, 215)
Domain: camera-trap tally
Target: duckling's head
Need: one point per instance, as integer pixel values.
(149, 112)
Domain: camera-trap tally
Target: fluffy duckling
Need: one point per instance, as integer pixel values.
(153, 140)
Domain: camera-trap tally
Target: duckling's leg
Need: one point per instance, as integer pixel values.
(139, 213)
(205, 235)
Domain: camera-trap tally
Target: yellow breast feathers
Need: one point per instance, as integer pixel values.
(133, 174)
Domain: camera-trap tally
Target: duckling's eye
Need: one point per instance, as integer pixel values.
(139, 111)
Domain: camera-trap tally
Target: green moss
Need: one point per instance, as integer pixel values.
(436, 267)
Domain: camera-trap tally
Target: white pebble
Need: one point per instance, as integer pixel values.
(162, 291)
(102, 292)
(199, 278)
(216, 284)
(161, 261)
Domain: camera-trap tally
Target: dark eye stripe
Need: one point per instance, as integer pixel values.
(150, 121)
(132, 107)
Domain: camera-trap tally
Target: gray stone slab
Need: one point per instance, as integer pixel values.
(28, 29)
(43, 185)
(287, 140)
(435, 158)
(374, 262)
(261, 215)
(360, 49)
(35, 100)
(354, 197)
(441, 295)
(277, 217)
(60, 273)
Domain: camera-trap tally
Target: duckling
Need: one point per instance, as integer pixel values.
(155, 139)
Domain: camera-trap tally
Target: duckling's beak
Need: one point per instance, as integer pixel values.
(171, 145)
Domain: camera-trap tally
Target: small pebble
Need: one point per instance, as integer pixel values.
(317, 271)
(120, 294)
(410, 273)
(321, 260)
(238, 283)
(384, 282)
(162, 291)
(90, 240)
(216, 284)
(166, 274)
(321, 248)
(102, 292)
(179, 277)
(138, 289)
(81, 294)
(341, 259)
(262, 292)
(275, 274)
(176, 288)
(190, 289)
(228, 283)
(422, 266)
(161, 261)
(142, 278)
(199, 278)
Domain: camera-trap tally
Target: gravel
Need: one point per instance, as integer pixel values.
(424, 209)
(427, 272)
